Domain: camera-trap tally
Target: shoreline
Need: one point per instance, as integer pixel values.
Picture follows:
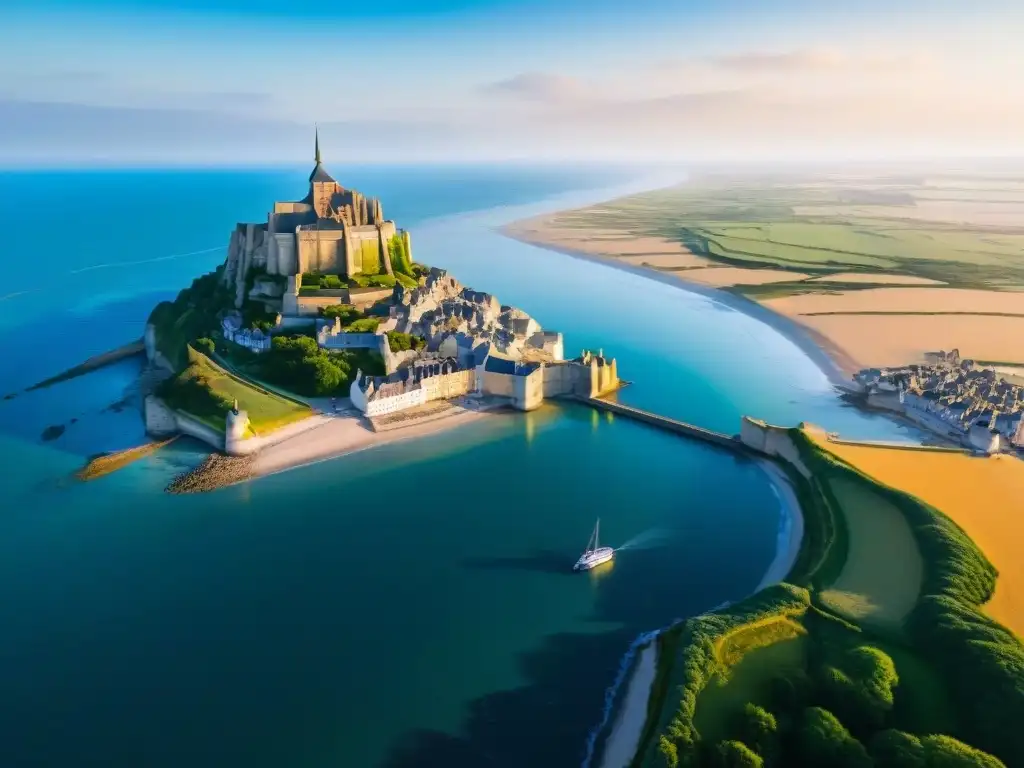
(791, 530)
(837, 366)
(331, 437)
(620, 747)
(343, 436)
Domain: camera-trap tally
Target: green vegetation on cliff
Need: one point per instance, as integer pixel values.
(207, 392)
(402, 342)
(297, 364)
(400, 261)
(783, 675)
(192, 314)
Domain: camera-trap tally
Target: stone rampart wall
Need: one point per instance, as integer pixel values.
(772, 441)
(449, 385)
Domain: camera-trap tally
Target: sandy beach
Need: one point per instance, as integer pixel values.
(622, 742)
(791, 530)
(334, 436)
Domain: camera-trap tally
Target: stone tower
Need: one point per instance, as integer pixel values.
(322, 186)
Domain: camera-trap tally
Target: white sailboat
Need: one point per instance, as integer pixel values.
(594, 555)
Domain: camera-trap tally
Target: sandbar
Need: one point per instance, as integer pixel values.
(621, 744)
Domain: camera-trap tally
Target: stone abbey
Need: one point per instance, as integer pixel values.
(332, 230)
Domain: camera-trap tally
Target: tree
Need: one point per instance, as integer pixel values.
(896, 749)
(862, 687)
(946, 752)
(758, 728)
(346, 313)
(824, 741)
(205, 345)
(736, 754)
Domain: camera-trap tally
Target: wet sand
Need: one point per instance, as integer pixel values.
(624, 738)
(338, 436)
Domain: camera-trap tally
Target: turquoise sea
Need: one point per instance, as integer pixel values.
(405, 606)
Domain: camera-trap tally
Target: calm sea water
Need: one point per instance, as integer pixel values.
(406, 606)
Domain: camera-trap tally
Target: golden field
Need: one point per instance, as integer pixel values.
(984, 496)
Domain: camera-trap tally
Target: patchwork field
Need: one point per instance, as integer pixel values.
(882, 576)
(984, 496)
(842, 242)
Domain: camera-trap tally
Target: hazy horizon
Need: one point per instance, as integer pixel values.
(233, 83)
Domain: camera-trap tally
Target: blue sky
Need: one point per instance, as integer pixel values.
(203, 81)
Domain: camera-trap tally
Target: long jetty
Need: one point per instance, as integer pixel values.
(722, 440)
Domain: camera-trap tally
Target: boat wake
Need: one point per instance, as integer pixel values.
(649, 539)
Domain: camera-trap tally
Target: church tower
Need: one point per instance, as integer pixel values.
(322, 186)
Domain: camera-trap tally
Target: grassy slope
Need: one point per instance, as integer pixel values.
(266, 410)
(707, 670)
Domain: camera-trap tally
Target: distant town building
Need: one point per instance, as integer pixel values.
(952, 397)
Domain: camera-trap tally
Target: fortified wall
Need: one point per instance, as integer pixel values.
(771, 441)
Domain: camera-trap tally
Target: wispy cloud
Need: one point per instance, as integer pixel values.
(539, 87)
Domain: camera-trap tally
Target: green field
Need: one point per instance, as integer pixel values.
(207, 392)
(881, 578)
(819, 229)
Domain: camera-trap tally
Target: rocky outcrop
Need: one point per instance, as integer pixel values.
(216, 471)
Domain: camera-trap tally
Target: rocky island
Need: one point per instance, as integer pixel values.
(321, 330)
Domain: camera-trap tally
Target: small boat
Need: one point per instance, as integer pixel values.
(594, 555)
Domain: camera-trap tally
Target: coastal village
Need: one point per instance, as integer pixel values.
(973, 405)
(330, 270)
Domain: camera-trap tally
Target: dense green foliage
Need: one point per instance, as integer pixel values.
(319, 281)
(205, 345)
(860, 687)
(364, 325)
(823, 548)
(345, 312)
(870, 682)
(983, 662)
(896, 749)
(297, 364)
(402, 342)
(759, 728)
(697, 662)
(400, 261)
(256, 315)
(822, 740)
(192, 314)
(736, 754)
